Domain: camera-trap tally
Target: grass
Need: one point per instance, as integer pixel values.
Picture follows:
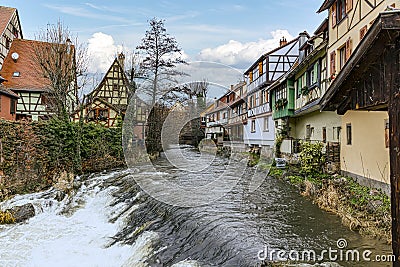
(6, 217)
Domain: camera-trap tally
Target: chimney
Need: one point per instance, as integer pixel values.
(121, 59)
(282, 41)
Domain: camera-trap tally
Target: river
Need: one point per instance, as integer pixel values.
(110, 221)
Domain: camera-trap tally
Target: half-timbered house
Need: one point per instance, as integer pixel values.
(25, 78)
(109, 101)
(366, 92)
(260, 130)
(10, 28)
(349, 23)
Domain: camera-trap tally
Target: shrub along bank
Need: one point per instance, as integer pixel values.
(34, 155)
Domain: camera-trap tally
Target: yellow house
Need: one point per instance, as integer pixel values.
(364, 144)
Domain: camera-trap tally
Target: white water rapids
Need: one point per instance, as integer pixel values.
(73, 232)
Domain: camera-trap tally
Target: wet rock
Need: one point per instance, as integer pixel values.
(76, 184)
(22, 213)
(60, 195)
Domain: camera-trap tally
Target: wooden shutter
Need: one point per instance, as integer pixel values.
(12, 106)
(349, 5)
(349, 45)
(260, 68)
(363, 31)
(333, 15)
(333, 63)
(251, 76)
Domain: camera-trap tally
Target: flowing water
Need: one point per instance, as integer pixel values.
(109, 221)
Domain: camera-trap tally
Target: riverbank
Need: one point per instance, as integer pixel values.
(360, 208)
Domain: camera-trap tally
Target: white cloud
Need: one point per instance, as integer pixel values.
(102, 51)
(235, 53)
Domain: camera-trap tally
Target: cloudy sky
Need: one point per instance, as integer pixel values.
(228, 32)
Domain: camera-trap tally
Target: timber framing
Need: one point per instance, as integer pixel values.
(370, 81)
(362, 83)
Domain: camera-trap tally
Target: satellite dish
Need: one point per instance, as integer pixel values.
(14, 56)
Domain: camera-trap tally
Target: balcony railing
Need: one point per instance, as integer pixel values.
(264, 108)
(257, 82)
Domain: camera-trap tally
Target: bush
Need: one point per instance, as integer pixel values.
(311, 158)
(32, 154)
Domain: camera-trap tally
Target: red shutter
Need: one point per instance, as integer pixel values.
(333, 15)
(349, 45)
(349, 5)
(363, 31)
(333, 63)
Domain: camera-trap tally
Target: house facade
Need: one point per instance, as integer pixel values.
(25, 78)
(367, 89)
(296, 101)
(362, 131)
(260, 130)
(109, 101)
(217, 119)
(10, 28)
(237, 114)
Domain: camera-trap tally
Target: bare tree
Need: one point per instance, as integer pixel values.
(161, 56)
(64, 63)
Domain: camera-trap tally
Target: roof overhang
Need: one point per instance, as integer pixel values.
(327, 4)
(385, 29)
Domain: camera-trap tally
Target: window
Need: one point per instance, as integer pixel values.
(15, 32)
(264, 97)
(299, 85)
(308, 131)
(16, 74)
(342, 56)
(324, 134)
(348, 134)
(253, 126)
(341, 10)
(387, 140)
(266, 124)
(281, 92)
(251, 101)
(8, 43)
(13, 106)
(336, 133)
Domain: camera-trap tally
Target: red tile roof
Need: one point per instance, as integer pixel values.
(31, 77)
(5, 16)
(8, 92)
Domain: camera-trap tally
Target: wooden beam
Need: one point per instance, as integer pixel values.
(394, 128)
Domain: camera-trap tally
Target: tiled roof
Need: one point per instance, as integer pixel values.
(31, 77)
(8, 92)
(5, 16)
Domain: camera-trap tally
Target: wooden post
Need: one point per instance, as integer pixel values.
(394, 127)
